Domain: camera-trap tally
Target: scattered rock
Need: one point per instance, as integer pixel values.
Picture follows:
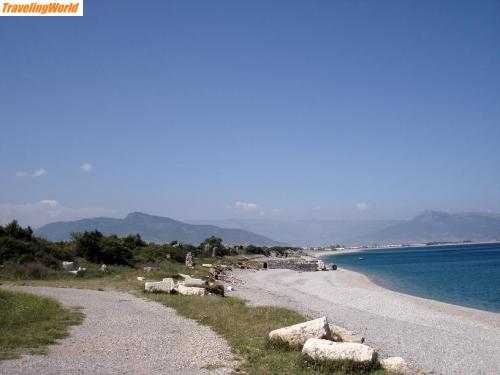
(396, 364)
(298, 334)
(319, 349)
(321, 265)
(346, 335)
(207, 265)
(79, 272)
(190, 290)
(190, 281)
(214, 274)
(141, 278)
(68, 265)
(166, 286)
(147, 269)
(230, 288)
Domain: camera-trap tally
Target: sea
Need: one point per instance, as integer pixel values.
(465, 275)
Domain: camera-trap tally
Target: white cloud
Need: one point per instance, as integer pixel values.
(21, 174)
(39, 172)
(363, 205)
(87, 167)
(47, 211)
(246, 206)
(50, 202)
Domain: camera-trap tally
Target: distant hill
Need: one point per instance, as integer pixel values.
(433, 226)
(153, 229)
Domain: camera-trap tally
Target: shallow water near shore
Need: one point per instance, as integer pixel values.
(465, 275)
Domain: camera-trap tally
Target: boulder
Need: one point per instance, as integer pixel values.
(191, 281)
(346, 335)
(165, 286)
(319, 349)
(195, 282)
(321, 266)
(141, 278)
(68, 265)
(190, 290)
(147, 269)
(395, 364)
(207, 265)
(298, 334)
(79, 272)
(104, 268)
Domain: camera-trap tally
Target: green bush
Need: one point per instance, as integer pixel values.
(20, 246)
(216, 289)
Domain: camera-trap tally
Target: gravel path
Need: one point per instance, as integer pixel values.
(123, 334)
(432, 336)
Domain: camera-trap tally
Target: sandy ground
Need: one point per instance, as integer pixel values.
(432, 336)
(123, 334)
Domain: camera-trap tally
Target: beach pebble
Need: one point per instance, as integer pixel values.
(319, 349)
(298, 334)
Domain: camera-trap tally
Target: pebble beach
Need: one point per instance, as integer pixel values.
(433, 337)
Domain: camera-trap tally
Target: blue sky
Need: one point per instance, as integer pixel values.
(269, 109)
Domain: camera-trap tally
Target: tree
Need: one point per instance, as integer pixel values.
(88, 245)
(133, 241)
(13, 229)
(114, 251)
(213, 246)
(97, 248)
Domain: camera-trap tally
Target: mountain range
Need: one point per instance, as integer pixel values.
(152, 229)
(429, 226)
(306, 232)
(437, 226)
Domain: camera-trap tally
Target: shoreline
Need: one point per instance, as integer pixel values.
(385, 281)
(432, 336)
(322, 253)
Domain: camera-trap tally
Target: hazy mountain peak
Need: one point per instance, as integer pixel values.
(438, 226)
(432, 216)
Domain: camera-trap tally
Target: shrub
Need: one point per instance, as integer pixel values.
(97, 248)
(30, 270)
(216, 289)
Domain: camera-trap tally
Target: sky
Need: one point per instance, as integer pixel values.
(251, 109)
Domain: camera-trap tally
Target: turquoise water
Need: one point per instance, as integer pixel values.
(466, 275)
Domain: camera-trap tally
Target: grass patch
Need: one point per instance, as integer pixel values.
(29, 323)
(280, 344)
(341, 366)
(121, 278)
(246, 329)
